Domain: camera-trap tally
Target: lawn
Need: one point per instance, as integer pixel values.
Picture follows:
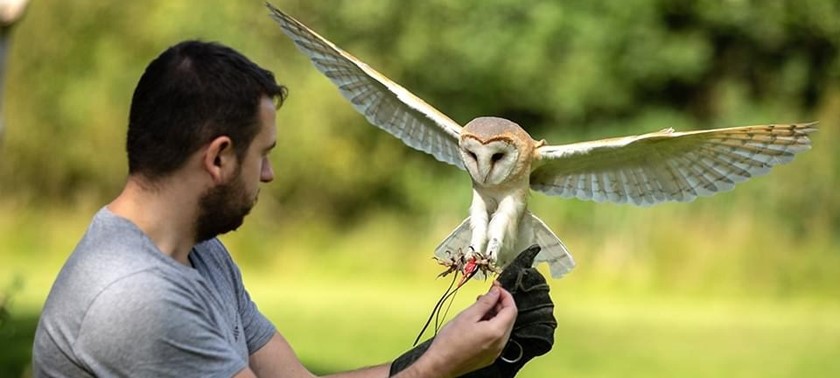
(596, 337)
(350, 298)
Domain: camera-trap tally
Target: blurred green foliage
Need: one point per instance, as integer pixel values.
(565, 70)
(15, 333)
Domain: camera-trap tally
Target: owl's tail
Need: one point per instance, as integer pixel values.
(532, 230)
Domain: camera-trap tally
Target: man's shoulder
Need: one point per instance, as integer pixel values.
(113, 263)
(148, 291)
(146, 317)
(151, 282)
(111, 250)
(110, 240)
(73, 299)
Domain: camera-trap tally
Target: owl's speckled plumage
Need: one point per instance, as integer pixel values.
(505, 163)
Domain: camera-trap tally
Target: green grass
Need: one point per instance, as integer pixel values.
(334, 324)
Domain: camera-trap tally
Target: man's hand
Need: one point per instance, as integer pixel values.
(470, 341)
(532, 334)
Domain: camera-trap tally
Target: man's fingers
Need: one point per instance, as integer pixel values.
(504, 310)
(484, 304)
(506, 303)
(494, 284)
(498, 306)
(490, 298)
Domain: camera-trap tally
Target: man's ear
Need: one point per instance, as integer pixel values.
(220, 159)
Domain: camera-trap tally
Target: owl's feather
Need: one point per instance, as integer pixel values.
(666, 165)
(384, 103)
(554, 252)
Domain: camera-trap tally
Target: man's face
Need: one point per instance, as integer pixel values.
(223, 208)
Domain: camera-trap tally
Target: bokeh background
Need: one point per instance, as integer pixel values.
(338, 251)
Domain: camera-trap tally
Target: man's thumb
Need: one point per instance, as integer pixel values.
(487, 301)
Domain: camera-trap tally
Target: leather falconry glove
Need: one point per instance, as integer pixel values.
(533, 331)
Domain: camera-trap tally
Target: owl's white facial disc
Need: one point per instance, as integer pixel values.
(489, 163)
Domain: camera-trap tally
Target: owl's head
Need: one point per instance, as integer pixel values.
(495, 151)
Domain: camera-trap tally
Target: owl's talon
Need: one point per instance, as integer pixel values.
(473, 265)
(471, 253)
(452, 263)
(493, 248)
(467, 264)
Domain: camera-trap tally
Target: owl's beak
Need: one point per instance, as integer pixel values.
(486, 177)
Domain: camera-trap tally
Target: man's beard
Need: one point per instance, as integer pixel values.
(222, 209)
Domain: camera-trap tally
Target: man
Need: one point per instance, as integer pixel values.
(150, 291)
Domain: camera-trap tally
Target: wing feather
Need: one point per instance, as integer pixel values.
(553, 252)
(666, 165)
(384, 104)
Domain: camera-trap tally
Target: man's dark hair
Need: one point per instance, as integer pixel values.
(192, 93)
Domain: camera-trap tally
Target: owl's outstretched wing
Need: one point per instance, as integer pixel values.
(384, 103)
(666, 165)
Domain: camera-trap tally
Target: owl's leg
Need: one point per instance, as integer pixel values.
(479, 219)
(503, 227)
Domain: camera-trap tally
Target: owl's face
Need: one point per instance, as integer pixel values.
(495, 151)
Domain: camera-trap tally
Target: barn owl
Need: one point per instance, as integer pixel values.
(505, 163)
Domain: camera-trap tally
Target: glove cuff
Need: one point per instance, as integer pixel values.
(408, 358)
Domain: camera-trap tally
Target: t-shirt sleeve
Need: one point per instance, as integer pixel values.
(160, 330)
(257, 328)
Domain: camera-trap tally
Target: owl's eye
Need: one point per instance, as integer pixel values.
(497, 156)
(472, 155)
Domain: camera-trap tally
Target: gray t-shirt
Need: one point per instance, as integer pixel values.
(120, 307)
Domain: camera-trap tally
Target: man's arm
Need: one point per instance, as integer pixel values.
(472, 340)
(275, 359)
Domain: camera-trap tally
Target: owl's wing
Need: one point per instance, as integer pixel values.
(666, 165)
(384, 103)
(456, 244)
